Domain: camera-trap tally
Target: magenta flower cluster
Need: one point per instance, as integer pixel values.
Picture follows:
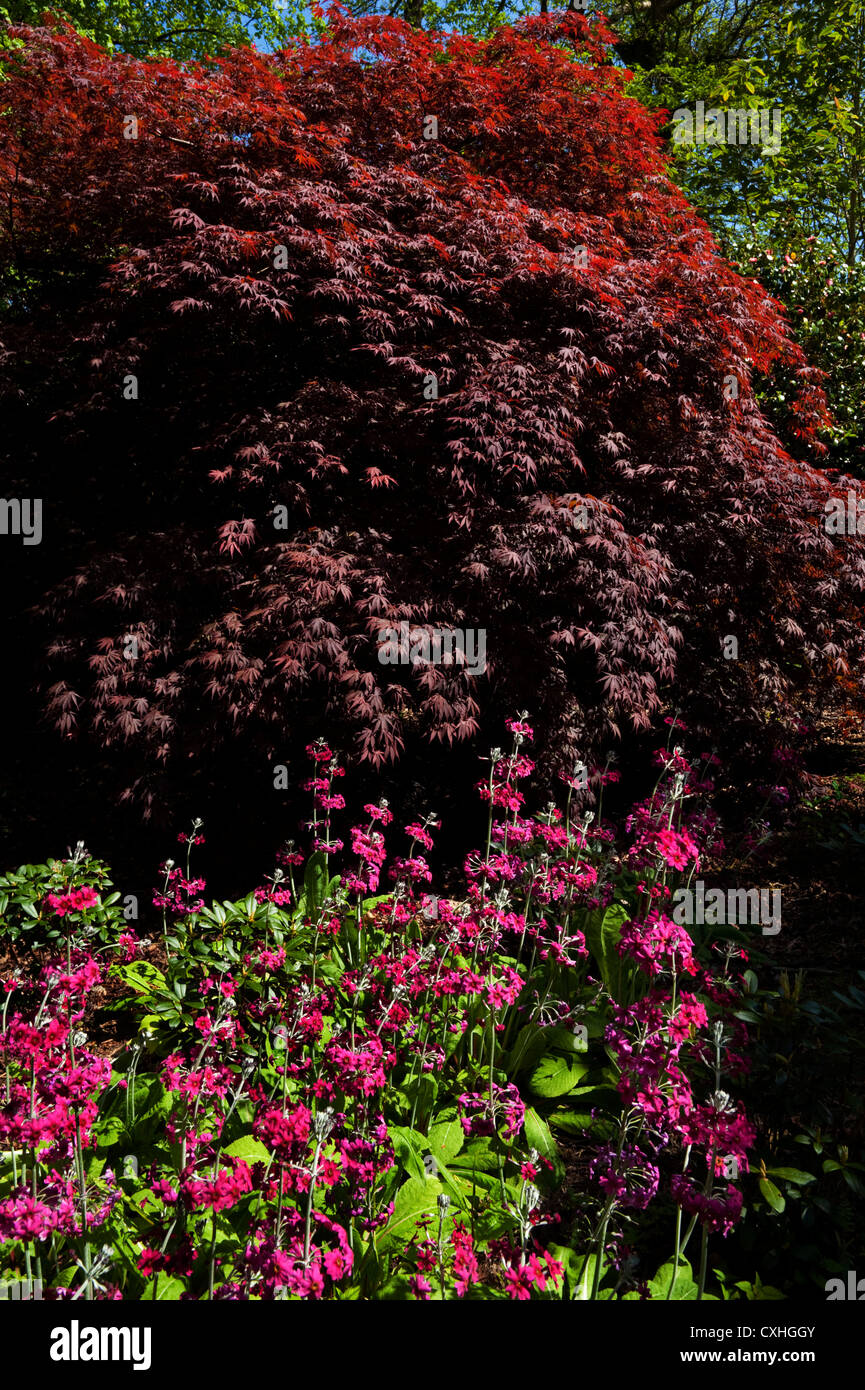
(338, 1089)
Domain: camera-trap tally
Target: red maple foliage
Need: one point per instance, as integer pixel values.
(235, 288)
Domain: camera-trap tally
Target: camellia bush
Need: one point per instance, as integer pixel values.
(347, 1087)
(396, 327)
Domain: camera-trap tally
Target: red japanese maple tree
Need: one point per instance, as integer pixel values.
(397, 327)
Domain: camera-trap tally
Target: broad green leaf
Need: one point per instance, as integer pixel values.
(479, 1154)
(582, 1290)
(141, 976)
(108, 1132)
(578, 1121)
(682, 1279)
(538, 1136)
(468, 1180)
(566, 1040)
(369, 903)
(250, 1149)
(557, 1076)
(772, 1195)
(315, 881)
(529, 1044)
(407, 1150)
(446, 1140)
(164, 1288)
(755, 1292)
(415, 1200)
(570, 1260)
(95, 1166)
(791, 1175)
(603, 931)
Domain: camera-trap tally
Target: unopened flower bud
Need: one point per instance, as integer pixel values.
(322, 1124)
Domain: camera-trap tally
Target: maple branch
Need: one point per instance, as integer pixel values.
(176, 140)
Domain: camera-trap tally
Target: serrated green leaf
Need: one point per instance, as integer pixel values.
(446, 1139)
(250, 1149)
(684, 1289)
(416, 1199)
(478, 1155)
(164, 1288)
(557, 1076)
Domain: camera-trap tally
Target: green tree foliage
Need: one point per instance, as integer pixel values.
(182, 28)
(794, 219)
(825, 299)
(809, 63)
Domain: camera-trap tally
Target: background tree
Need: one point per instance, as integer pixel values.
(794, 219)
(825, 299)
(182, 28)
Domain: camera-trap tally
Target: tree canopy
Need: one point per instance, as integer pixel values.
(325, 367)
